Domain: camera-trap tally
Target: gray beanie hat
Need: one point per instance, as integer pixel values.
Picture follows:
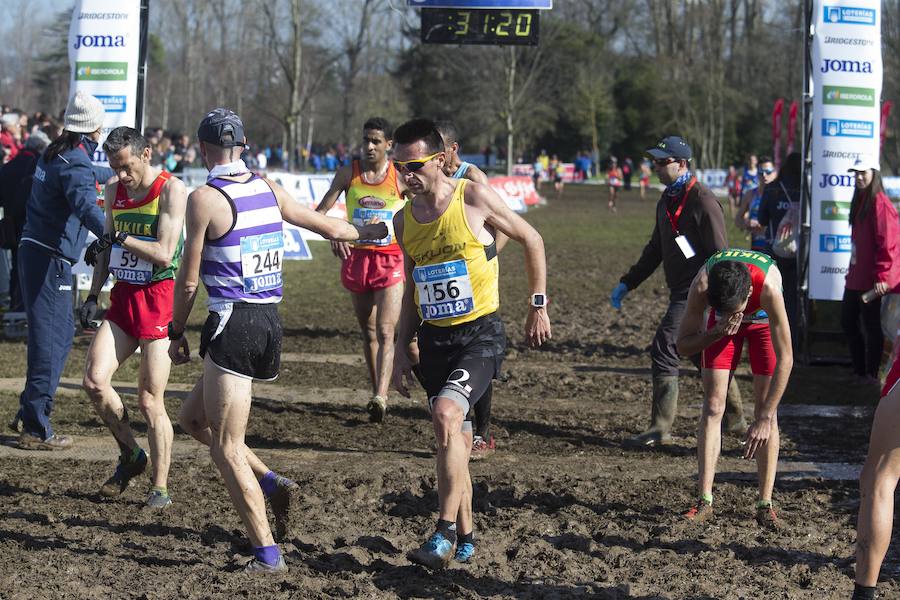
(37, 141)
(84, 114)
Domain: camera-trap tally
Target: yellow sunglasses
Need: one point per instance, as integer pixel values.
(411, 166)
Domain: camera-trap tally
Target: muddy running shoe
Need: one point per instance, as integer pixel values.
(700, 512)
(158, 500)
(481, 449)
(465, 552)
(377, 407)
(434, 554)
(258, 566)
(767, 517)
(54, 442)
(284, 501)
(125, 472)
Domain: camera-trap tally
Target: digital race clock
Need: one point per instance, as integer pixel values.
(473, 26)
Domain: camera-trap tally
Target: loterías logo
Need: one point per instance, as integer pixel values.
(99, 41)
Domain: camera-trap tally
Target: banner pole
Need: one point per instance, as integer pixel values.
(142, 66)
(805, 190)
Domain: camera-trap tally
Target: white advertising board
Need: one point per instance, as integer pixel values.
(846, 83)
(104, 52)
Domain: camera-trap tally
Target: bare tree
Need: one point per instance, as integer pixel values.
(302, 83)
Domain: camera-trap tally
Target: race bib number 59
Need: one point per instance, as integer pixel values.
(261, 257)
(129, 267)
(445, 290)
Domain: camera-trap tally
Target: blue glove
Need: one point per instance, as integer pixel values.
(617, 295)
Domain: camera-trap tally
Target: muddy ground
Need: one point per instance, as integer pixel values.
(562, 510)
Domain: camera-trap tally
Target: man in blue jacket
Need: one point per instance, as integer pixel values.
(60, 211)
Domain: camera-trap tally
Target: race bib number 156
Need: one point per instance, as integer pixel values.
(445, 290)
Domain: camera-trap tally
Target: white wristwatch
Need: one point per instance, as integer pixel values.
(538, 300)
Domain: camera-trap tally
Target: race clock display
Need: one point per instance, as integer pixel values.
(473, 26)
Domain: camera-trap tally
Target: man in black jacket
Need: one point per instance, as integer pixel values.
(689, 228)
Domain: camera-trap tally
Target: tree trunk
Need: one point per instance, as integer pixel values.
(354, 51)
(511, 107)
(296, 58)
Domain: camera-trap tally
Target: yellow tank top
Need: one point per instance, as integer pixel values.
(372, 203)
(455, 280)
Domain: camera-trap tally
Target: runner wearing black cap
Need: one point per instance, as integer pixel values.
(689, 228)
(235, 245)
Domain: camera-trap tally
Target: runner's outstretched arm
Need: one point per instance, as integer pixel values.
(329, 227)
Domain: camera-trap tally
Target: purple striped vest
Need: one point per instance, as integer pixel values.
(244, 265)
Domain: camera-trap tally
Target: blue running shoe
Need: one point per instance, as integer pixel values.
(464, 552)
(434, 554)
(158, 500)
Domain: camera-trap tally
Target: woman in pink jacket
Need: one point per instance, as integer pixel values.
(874, 265)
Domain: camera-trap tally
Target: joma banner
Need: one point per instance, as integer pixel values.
(847, 73)
(104, 55)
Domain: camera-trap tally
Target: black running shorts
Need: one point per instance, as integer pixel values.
(459, 362)
(250, 343)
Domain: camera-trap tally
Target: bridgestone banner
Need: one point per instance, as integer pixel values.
(846, 84)
(104, 53)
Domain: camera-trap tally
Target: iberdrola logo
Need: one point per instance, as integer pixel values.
(101, 71)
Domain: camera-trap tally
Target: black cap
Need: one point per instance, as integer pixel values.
(221, 127)
(671, 147)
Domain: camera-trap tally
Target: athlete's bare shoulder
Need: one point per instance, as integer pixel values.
(475, 174)
(773, 282)
(174, 186)
(479, 194)
(205, 197)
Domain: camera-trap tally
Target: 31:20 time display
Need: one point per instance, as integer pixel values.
(503, 26)
(504, 23)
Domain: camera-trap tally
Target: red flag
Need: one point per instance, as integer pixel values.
(885, 113)
(792, 126)
(776, 130)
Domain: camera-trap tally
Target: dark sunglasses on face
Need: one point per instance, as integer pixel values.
(767, 171)
(661, 162)
(411, 166)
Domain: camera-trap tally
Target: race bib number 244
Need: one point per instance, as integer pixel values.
(261, 257)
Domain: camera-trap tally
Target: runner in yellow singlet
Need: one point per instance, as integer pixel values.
(447, 235)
